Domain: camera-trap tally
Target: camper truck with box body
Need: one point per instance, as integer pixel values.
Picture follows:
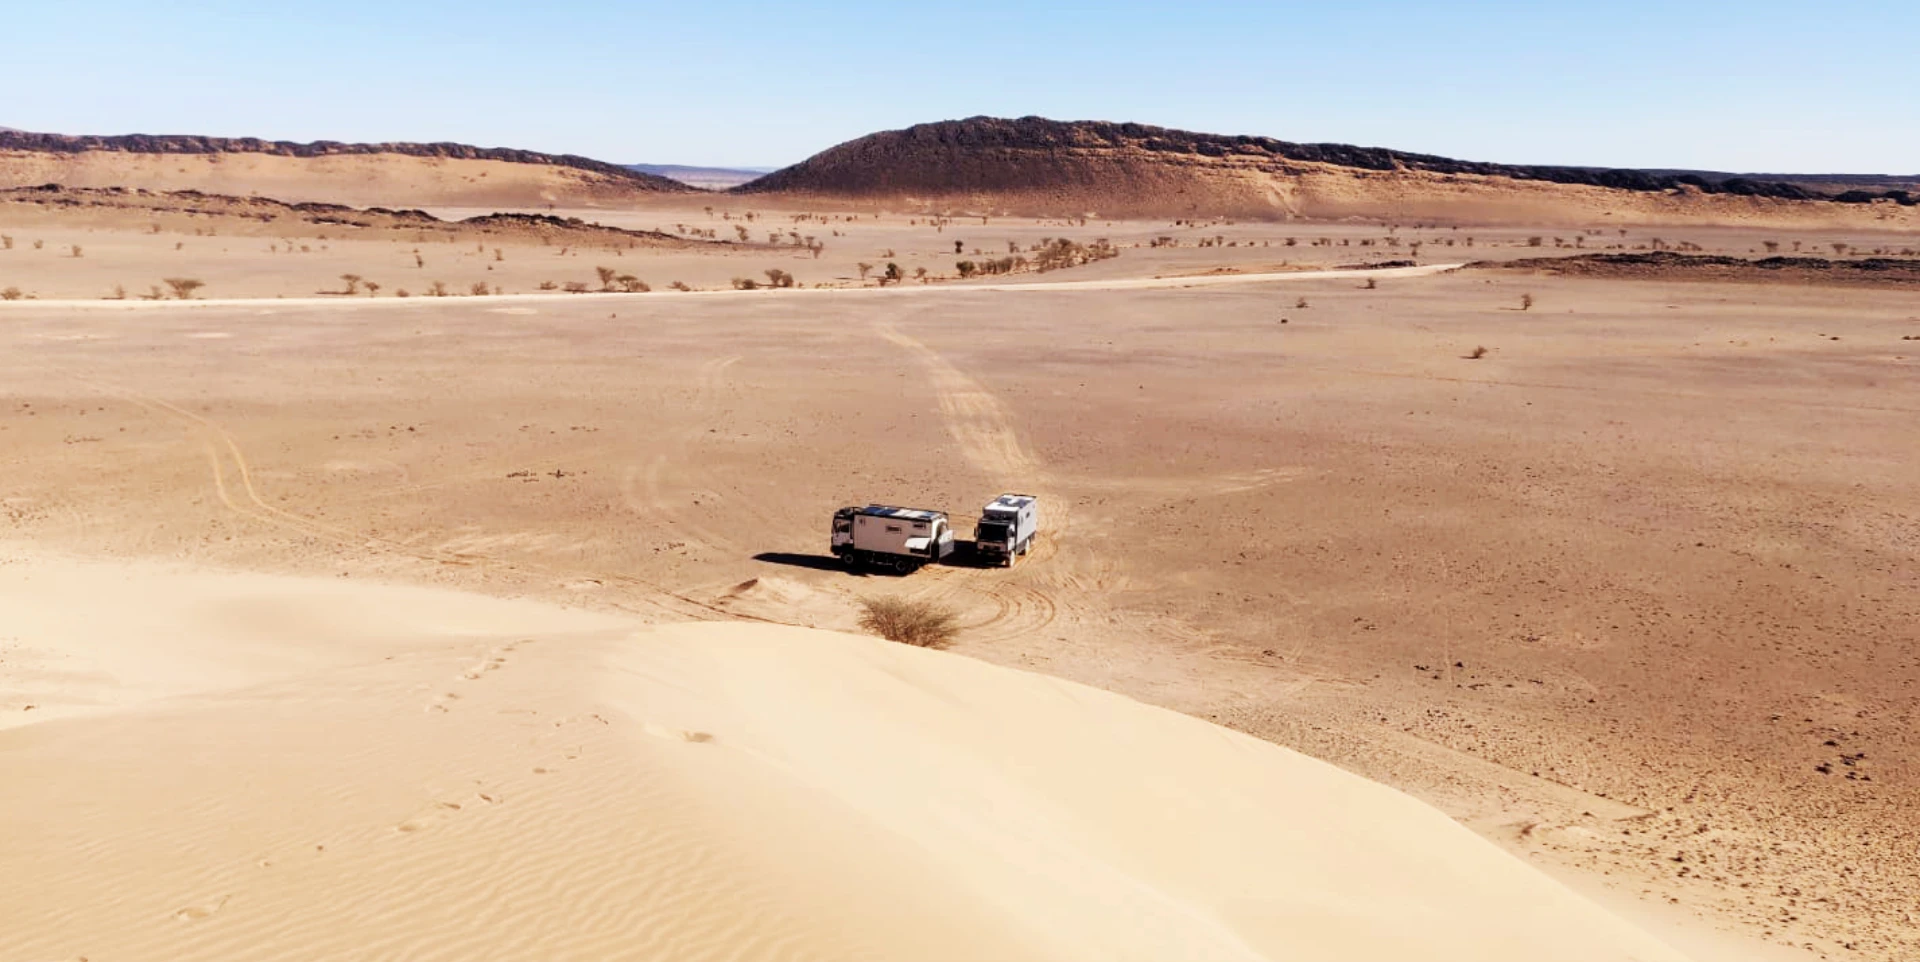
(901, 539)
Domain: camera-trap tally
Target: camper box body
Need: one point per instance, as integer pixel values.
(888, 537)
(1007, 527)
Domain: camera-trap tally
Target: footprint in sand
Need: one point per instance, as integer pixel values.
(486, 665)
(443, 702)
(194, 913)
(426, 819)
(677, 734)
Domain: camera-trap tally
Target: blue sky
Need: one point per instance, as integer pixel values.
(1757, 86)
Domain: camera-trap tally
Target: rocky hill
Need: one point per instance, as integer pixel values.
(387, 174)
(1035, 165)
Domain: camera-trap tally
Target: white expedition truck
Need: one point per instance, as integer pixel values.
(880, 536)
(1006, 529)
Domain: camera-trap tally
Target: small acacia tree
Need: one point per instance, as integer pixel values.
(863, 267)
(353, 283)
(183, 287)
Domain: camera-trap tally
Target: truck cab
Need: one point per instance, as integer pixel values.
(1006, 528)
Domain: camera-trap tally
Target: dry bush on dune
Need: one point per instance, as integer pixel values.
(1476, 354)
(11, 294)
(679, 286)
(183, 287)
(922, 624)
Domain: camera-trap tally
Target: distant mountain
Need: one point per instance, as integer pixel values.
(1037, 165)
(705, 178)
(385, 174)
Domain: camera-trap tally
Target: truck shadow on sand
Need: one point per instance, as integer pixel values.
(963, 556)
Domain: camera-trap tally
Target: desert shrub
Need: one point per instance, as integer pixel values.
(76, 250)
(606, 277)
(1057, 253)
(11, 294)
(922, 624)
(1535, 241)
(1526, 302)
(183, 287)
(548, 286)
(39, 244)
(437, 289)
(680, 286)
(745, 284)
(574, 287)
(966, 268)
(742, 231)
(779, 278)
(373, 290)
(119, 292)
(1300, 305)
(353, 283)
(498, 256)
(892, 274)
(864, 269)
(478, 290)
(152, 294)
(1372, 283)
(401, 292)
(1476, 354)
(6, 243)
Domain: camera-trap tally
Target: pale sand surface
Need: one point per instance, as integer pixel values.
(244, 766)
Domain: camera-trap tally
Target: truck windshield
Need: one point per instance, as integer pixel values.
(990, 531)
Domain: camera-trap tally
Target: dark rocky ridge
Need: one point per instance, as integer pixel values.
(190, 144)
(990, 153)
(1674, 266)
(266, 210)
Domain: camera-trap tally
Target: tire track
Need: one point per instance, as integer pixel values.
(220, 445)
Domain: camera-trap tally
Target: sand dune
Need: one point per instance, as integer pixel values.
(271, 768)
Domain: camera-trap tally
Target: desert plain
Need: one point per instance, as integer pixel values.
(346, 625)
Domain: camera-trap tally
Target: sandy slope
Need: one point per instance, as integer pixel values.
(273, 768)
